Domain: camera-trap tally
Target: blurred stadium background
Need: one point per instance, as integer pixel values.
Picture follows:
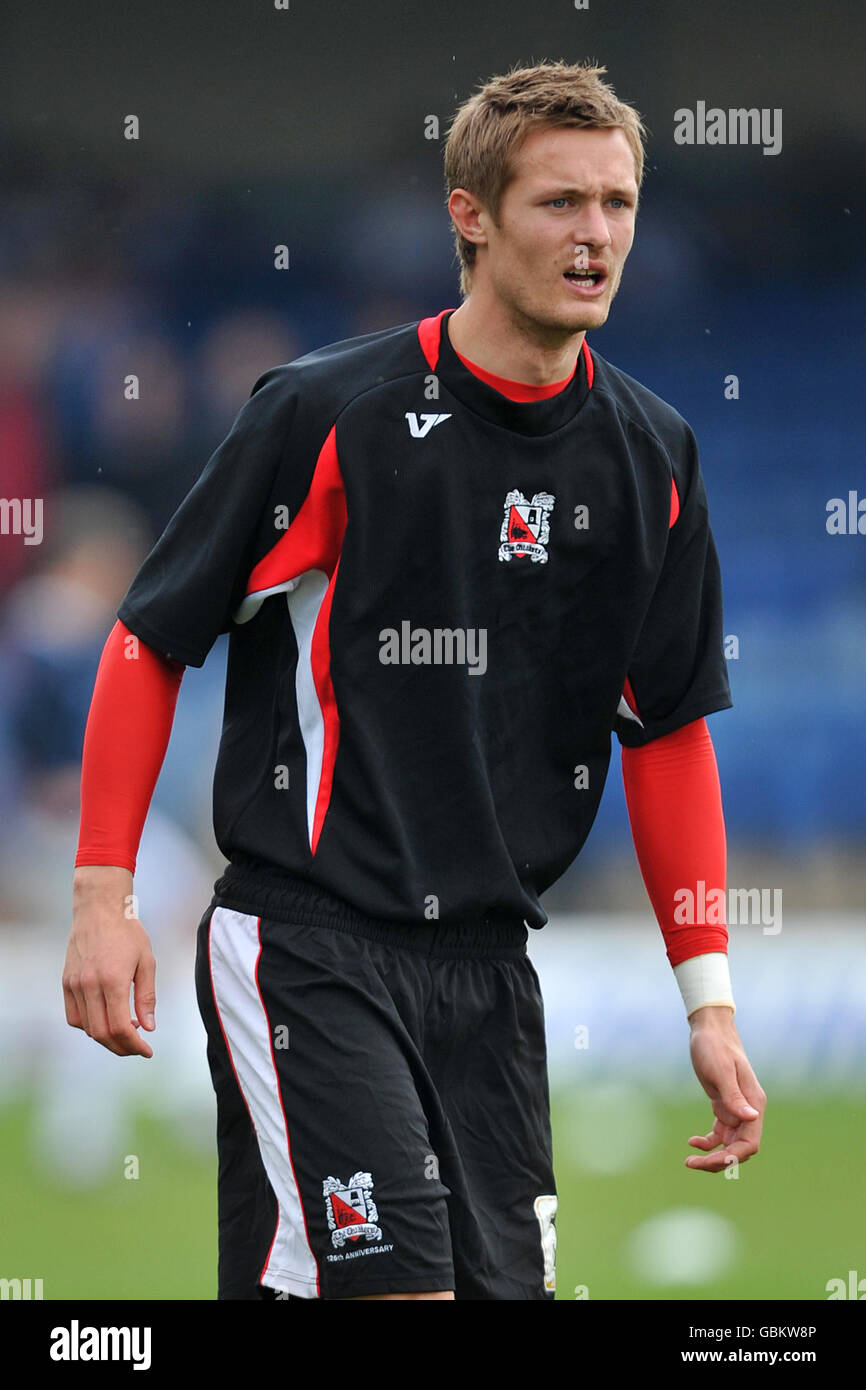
(305, 127)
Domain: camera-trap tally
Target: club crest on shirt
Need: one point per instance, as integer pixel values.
(350, 1209)
(525, 527)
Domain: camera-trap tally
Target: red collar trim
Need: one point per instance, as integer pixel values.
(429, 337)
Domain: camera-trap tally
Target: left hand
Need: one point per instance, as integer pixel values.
(724, 1071)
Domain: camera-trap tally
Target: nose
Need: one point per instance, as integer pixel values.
(591, 227)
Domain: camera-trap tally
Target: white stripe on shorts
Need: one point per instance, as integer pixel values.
(235, 946)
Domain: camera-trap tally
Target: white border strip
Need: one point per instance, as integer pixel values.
(623, 709)
(304, 605)
(234, 951)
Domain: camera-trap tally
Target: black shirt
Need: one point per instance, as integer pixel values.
(436, 596)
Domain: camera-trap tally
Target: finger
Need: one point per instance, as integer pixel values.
(731, 1101)
(752, 1089)
(719, 1134)
(92, 1006)
(740, 1149)
(728, 1116)
(710, 1164)
(81, 1001)
(71, 1005)
(748, 1098)
(734, 1103)
(73, 995)
(144, 993)
(705, 1141)
(120, 1026)
(99, 1027)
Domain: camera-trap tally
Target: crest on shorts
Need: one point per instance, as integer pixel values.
(525, 527)
(350, 1209)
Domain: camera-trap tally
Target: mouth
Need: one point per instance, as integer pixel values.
(586, 284)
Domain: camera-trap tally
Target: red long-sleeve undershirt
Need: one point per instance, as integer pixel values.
(127, 733)
(671, 786)
(674, 802)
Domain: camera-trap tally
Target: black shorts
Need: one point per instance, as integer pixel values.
(383, 1119)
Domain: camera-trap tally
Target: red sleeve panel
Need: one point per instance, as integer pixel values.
(674, 805)
(128, 729)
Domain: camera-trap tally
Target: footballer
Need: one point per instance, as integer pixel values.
(453, 558)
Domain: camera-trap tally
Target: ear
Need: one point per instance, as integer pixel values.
(465, 210)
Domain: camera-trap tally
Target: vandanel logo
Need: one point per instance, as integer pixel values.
(420, 426)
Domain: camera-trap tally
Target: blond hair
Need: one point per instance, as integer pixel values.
(489, 128)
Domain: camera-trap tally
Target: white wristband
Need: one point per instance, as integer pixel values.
(705, 980)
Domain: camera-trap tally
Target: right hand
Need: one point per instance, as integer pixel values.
(108, 951)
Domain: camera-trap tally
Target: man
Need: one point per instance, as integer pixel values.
(453, 557)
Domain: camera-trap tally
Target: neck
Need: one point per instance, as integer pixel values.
(498, 338)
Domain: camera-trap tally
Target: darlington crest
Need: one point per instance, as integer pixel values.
(525, 527)
(350, 1209)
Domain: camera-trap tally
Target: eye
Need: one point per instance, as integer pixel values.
(557, 200)
(621, 201)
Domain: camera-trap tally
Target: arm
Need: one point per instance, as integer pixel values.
(127, 734)
(675, 810)
(184, 595)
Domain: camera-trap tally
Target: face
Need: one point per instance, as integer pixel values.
(571, 206)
